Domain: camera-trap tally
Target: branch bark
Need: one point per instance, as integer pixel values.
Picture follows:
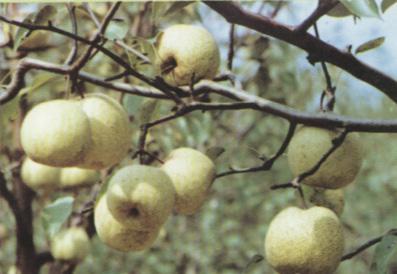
(318, 50)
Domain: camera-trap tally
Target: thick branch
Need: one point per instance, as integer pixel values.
(318, 50)
(7, 194)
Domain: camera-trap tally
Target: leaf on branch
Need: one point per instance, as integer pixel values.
(214, 152)
(21, 33)
(147, 48)
(371, 44)
(39, 81)
(257, 258)
(147, 110)
(45, 14)
(387, 4)
(363, 8)
(9, 112)
(117, 29)
(56, 213)
(176, 6)
(383, 252)
(158, 10)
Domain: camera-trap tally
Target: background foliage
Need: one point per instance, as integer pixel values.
(228, 232)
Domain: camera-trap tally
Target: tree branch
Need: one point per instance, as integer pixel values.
(323, 7)
(366, 245)
(266, 165)
(318, 50)
(336, 142)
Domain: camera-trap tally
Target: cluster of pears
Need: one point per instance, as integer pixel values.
(91, 133)
(44, 178)
(311, 240)
(138, 199)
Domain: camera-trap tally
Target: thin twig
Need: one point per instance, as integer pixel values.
(330, 89)
(266, 165)
(336, 142)
(323, 7)
(366, 245)
(230, 55)
(73, 53)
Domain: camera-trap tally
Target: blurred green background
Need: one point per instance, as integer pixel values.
(228, 232)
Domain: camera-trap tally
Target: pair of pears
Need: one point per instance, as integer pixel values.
(91, 133)
(138, 199)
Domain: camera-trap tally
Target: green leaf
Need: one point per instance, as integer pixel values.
(158, 10)
(383, 252)
(176, 6)
(387, 4)
(147, 48)
(257, 258)
(362, 8)
(45, 14)
(56, 213)
(117, 29)
(147, 110)
(214, 152)
(21, 33)
(372, 44)
(39, 81)
(132, 103)
(9, 112)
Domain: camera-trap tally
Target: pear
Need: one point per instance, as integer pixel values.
(72, 244)
(192, 174)
(118, 236)
(56, 133)
(13, 270)
(185, 52)
(308, 146)
(329, 198)
(110, 131)
(141, 197)
(38, 176)
(306, 241)
(75, 177)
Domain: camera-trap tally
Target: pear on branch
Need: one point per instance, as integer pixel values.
(306, 241)
(186, 54)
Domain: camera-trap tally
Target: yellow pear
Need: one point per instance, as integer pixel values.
(13, 270)
(118, 236)
(308, 241)
(74, 177)
(329, 198)
(56, 133)
(110, 131)
(72, 244)
(184, 52)
(38, 176)
(141, 197)
(192, 174)
(307, 147)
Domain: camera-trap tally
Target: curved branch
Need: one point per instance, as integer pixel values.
(245, 100)
(318, 50)
(18, 80)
